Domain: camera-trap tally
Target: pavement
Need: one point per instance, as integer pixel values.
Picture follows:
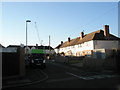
(32, 76)
(91, 70)
(80, 66)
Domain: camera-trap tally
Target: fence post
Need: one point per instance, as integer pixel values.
(21, 52)
(68, 60)
(118, 61)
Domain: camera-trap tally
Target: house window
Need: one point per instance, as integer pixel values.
(72, 46)
(79, 46)
(87, 44)
(88, 52)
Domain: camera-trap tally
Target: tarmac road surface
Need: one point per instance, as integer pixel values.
(63, 76)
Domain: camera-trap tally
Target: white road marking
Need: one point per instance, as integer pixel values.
(92, 77)
(81, 77)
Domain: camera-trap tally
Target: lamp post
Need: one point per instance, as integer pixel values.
(26, 30)
(26, 33)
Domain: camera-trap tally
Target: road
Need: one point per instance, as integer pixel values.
(64, 76)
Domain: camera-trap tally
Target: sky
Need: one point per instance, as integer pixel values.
(59, 20)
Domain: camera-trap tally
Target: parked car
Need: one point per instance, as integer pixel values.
(37, 60)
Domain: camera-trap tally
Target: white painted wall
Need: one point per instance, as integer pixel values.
(56, 51)
(76, 48)
(86, 46)
(92, 45)
(105, 44)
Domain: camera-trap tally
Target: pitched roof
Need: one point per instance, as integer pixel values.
(45, 47)
(58, 46)
(30, 46)
(17, 46)
(72, 42)
(2, 46)
(97, 35)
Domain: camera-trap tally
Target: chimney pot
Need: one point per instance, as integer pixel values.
(68, 39)
(36, 45)
(81, 35)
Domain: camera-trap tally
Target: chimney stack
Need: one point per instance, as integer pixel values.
(68, 39)
(81, 35)
(37, 46)
(106, 30)
(61, 42)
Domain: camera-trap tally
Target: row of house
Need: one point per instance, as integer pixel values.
(46, 49)
(98, 44)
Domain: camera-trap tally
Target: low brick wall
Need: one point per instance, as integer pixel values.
(93, 64)
(67, 59)
(100, 64)
(61, 59)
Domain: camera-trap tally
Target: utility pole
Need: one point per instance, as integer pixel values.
(49, 43)
(49, 47)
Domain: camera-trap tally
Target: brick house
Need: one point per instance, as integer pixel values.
(95, 44)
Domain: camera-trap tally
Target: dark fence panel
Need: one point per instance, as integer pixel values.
(10, 64)
(118, 61)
